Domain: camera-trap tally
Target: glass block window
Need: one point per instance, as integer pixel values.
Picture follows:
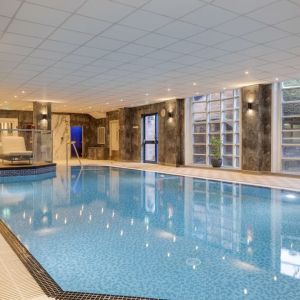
(217, 115)
(290, 126)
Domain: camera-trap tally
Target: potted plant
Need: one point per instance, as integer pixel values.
(216, 160)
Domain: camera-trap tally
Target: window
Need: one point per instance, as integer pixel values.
(216, 115)
(290, 126)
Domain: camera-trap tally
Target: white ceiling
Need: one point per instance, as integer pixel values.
(87, 55)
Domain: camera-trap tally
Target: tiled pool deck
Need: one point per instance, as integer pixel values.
(18, 283)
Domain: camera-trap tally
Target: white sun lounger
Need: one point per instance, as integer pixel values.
(13, 149)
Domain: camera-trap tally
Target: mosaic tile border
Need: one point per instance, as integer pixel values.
(27, 171)
(44, 280)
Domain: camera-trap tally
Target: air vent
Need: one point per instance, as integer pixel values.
(101, 136)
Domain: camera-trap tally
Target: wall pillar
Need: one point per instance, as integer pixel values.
(256, 127)
(42, 115)
(125, 123)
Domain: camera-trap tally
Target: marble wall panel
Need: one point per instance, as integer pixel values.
(61, 136)
(256, 128)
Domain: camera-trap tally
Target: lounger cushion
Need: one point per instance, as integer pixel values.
(13, 148)
(13, 144)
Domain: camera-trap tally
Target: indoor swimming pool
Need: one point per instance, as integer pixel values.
(118, 231)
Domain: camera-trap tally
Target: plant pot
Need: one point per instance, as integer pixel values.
(216, 162)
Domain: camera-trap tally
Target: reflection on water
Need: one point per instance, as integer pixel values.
(158, 231)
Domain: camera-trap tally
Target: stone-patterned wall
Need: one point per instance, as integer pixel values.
(125, 134)
(170, 135)
(40, 109)
(89, 125)
(256, 128)
(112, 115)
(25, 118)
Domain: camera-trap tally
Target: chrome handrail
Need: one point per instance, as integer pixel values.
(72, 143)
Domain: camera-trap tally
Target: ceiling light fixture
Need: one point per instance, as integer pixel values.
(15, 96)
(121, 100)
(107, 103)
(224, 88)
(168, 89)
(276, 78)
(147, 94)
(194, 83)
(246, 72)
(23, 92)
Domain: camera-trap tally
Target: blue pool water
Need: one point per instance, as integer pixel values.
(128, 232)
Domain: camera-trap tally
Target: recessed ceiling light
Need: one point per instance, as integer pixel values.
(147, 94)
(276, 78)
(246, 72)
(15, 96)
(224, 88)
(5, 102)
(168, 89)
(121, 100)
(194, 83)
(80, 108)
(107, 103)
(90, 107)
(23, 92)
(197, 93)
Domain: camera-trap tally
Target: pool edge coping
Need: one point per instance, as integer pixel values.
(270, 186)
(43, 278)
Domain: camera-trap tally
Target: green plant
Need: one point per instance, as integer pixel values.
(215, 144)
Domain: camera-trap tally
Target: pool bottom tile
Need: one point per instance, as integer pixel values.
(44, 280)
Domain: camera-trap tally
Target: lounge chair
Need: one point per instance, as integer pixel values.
(13, 149)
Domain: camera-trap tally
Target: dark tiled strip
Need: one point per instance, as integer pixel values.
(26, 170)
(44, 280)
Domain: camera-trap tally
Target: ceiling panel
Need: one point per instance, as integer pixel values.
(70, 36)
(145, 20)
(41, 15)
(105, 10)
(276, 12)
(209, 16)
(9, 7)
(89, 52)
(240, 26)
(29, 28)
(4, 21)
(173, 8)
(180, 30)
(66, 5)
(242, 7)
(20, 40)
(85, 24)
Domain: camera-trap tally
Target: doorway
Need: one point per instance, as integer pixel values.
(150, 138)
(76, 136)
(114, 139)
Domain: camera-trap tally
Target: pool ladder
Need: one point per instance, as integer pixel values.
(72, 143)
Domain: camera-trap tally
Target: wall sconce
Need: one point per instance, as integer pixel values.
(170, 114)
(44, 116)
(250, 105)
